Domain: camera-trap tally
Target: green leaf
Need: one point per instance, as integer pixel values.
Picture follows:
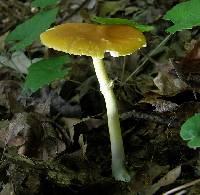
(184, 16)
(45, 71)
(29, 31)
(190, 131)
(121, 21)
(43, 3)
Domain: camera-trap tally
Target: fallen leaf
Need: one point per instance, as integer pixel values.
(159, 104)
(154, 170)
(130, 10)
(16, 126)
(188, 68)
(91, 4)
(169, 178)
(70, 123)
(18, 61)
(51, 145)
(144, 83)
(167, 82)
(111, 7)
(91, 123)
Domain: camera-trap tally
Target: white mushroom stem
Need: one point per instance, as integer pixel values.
(118, 168)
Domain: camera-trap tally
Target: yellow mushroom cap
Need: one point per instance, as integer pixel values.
(93, 39)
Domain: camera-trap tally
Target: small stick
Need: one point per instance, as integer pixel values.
(147, 58)
(182, 187)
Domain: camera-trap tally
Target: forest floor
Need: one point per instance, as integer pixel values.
(56, 140)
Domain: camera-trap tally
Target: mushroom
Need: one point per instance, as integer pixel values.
(94, 40)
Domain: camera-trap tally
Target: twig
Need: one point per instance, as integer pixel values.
(182, 187)
(151, 117)
(145, 59)
(123, 68)
(181, 192)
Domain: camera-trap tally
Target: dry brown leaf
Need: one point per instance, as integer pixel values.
(167, 82)
(70, 123)
(17, 126)
(169, 178)
(18, 61)
(111, 7)
(160, 104)
(188, 68)
(91, 123)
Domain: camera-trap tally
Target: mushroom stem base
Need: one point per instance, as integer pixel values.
(118, 168)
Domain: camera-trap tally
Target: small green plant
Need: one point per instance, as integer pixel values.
(132, 23)
(184, 16)
(190, 131)
(25, 34)
(45, 71)
(29, 31)
(43, 3)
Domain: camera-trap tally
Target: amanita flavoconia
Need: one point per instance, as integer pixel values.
(94, 40)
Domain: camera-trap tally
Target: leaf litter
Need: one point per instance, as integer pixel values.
(55, 140)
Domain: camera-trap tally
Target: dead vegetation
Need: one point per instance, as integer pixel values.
(55, 141)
